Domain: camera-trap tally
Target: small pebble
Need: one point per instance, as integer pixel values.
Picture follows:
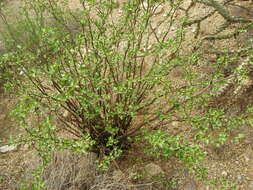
(239, 178)
(7, 148)
(246, 159)
(250, 185)
(224, 173)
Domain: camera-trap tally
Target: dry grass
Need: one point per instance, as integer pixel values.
(69, 171)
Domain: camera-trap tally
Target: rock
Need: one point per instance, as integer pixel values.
(240, 178)
(185, 4)
(246, 159)
(117, 175)
(145, 5)
(190, 185)
(175, 123)
(153, 170)
(250, 186)
(7, 148)
(224, 173)
(240, 12)
(194, 29)
(25, 147)
(159, 10)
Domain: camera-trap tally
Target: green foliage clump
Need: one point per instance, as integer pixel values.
(86, 88)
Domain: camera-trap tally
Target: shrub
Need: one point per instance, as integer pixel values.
(96, 82)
